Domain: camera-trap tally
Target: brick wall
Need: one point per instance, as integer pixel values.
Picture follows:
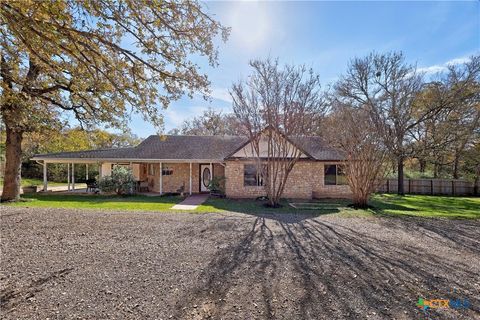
(306, 180)
(180, 176)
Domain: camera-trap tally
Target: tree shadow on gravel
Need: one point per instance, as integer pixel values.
(326, 269)
(10, 297)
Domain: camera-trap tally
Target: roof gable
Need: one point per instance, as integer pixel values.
(246, 150)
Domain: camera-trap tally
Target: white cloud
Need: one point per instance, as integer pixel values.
(251, 24)
(431, 70)
(175, 116)
(221, 94)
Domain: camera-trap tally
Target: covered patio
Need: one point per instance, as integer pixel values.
(154, 178)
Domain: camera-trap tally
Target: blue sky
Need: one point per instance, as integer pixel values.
(325, 36)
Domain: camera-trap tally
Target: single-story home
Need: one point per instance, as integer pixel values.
(174, 162)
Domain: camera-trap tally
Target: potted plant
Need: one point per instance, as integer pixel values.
(217, 186)
(30, 189)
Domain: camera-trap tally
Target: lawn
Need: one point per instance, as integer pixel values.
(427, 206)
(36, 182)
(389, 205)
(98, 202)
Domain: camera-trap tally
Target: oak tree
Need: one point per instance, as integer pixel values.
(386, 86)
(98, 61)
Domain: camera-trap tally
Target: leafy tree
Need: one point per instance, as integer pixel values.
(471, 165)
(70, 139)
(99, 61)
(443, 138)
(75, 139)
(212, 123)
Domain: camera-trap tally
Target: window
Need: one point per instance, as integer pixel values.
(166, 171)
(341, 176)
(251, 177)
(151, 169)
(334, 175)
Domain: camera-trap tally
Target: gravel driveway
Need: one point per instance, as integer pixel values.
(68, 264)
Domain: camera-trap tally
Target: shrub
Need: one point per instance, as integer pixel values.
(217, 184)
(121, 181)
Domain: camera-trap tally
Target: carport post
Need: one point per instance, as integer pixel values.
(68, 176)
(45, 182)
(73, 176)
(190, 178)
(86, 171)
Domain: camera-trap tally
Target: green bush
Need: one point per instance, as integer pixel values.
(121, 181)
(217, 184)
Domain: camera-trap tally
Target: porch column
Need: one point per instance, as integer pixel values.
(190, 178)
(68, 176)
(73, 176)
(45, 182)
(211, 171)
(86, 171)
(161, 178)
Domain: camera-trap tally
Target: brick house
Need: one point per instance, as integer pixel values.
(171, 163)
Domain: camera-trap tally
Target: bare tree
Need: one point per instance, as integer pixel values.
(386, 86)
(276, 108)
(352, 132)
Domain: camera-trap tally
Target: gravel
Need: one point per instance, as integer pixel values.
(80, 264)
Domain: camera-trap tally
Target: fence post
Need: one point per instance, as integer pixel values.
(388, 185)
(431, 186)
(409, 185)
(453, 187)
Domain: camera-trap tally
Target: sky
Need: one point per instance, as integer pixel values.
(325, 36)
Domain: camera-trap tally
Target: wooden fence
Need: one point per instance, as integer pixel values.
(431, 186)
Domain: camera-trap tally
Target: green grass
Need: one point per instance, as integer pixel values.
(98, 202)
(384, 205)
(250, 206)
(427, 206)
(36, 182)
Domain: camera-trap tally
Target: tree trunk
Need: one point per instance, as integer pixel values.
(456, 163)
(13, 164)
(423, 165)
(400, 176)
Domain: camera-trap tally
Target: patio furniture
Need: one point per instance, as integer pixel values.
(143, 186)
(91, 185)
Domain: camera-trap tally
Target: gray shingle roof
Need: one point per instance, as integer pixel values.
(317, 148)
(190, 148)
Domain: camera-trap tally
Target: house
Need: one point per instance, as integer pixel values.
(171, 163)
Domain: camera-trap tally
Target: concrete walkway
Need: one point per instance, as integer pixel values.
(192, 202)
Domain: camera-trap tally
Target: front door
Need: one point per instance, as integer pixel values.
(205, 176)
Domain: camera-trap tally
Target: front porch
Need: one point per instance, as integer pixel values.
(154, 178)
